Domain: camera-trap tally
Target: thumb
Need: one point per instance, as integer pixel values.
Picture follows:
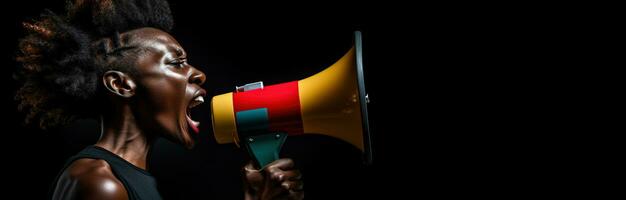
(254, 178)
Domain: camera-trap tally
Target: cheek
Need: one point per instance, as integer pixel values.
(164, 101)
(165, 93)
(165, 83)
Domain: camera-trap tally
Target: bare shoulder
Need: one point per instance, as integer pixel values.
(89, 179)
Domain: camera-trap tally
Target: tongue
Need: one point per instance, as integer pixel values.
(193, 124)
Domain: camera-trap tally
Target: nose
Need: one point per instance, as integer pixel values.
(196, 76)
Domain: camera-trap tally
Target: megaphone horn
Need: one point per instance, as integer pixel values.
(332, 102)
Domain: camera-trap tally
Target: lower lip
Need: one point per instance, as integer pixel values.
(193, 125)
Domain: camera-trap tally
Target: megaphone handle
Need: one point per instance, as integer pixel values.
(265, 148)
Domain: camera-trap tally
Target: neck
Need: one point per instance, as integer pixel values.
(122, 136)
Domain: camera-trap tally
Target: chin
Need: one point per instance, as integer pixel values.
(183, 135)
(186, 139)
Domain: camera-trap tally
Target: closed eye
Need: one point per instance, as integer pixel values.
(181, 62)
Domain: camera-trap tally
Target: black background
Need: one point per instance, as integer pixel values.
(447, 113)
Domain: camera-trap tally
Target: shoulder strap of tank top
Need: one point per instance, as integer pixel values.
(117, 167)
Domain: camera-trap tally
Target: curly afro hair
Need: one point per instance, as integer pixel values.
(61, 57)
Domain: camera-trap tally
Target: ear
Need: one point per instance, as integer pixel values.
(119, 83)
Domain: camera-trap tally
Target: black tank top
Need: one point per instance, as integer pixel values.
(139, 183)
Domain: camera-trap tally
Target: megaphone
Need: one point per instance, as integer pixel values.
(332, 102)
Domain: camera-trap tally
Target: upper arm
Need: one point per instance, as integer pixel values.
(89, 179)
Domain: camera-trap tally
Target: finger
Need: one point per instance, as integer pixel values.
(294, 175)
(250, 170)
(293, 185)
(285, 175)
(250, 167)
(253, 176)
(281, 164)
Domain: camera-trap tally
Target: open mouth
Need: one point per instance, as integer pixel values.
(197, 100)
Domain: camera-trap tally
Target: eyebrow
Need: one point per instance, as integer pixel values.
(179, 52)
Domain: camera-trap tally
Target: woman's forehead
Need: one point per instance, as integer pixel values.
(154, 39)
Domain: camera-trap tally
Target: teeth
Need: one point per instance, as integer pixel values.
(197, 101)
(199, 98)
(195, 123)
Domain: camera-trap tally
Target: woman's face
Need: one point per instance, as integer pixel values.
(167, 87)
